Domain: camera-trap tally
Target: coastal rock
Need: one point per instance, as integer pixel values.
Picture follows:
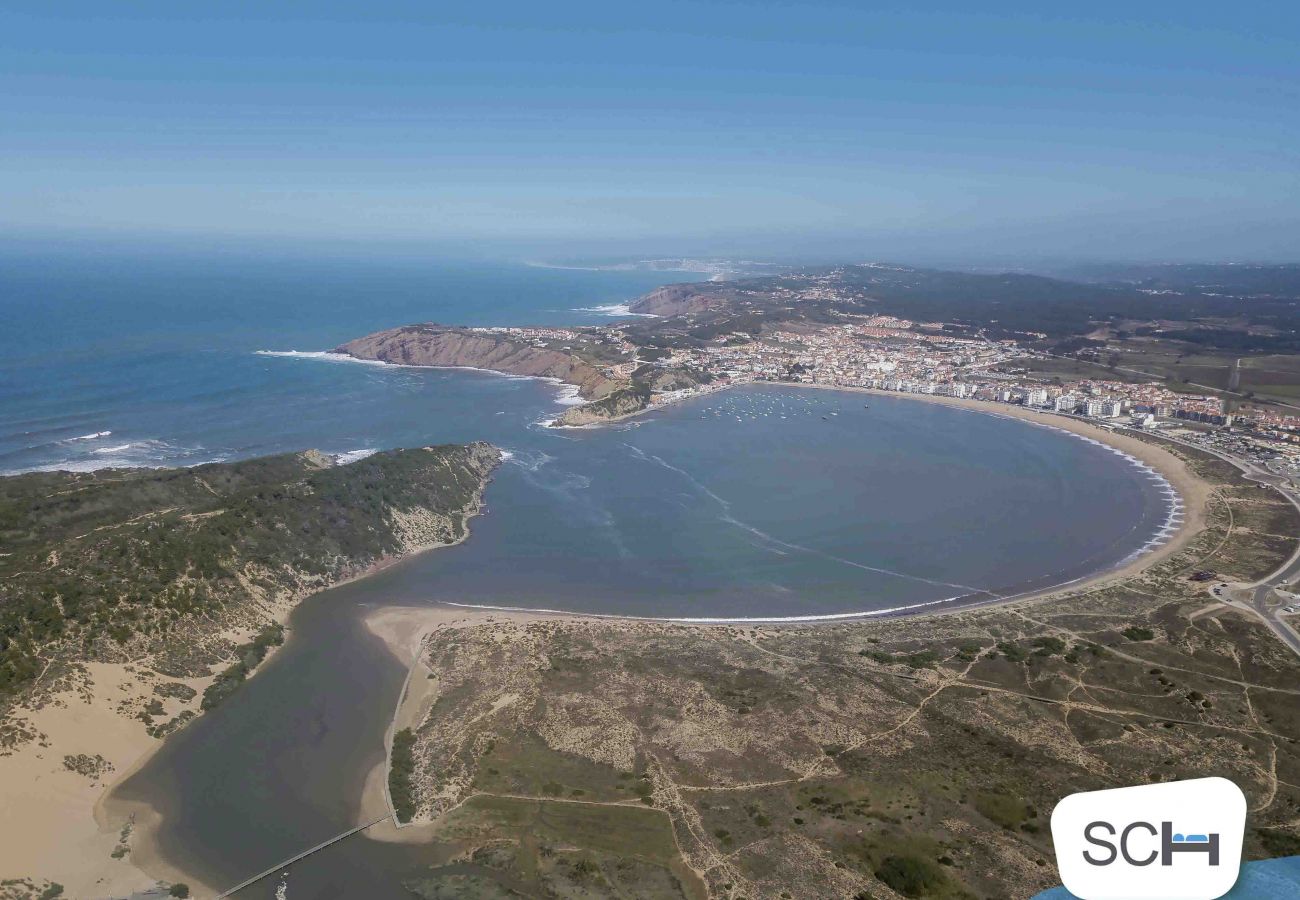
(625, 402)
(679, 299)
(440, 345)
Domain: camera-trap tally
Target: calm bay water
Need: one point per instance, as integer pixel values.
(758, 502)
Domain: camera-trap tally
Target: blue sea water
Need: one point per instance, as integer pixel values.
(134, 359)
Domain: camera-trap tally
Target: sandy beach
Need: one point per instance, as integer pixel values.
(67, 827)
(52, 817)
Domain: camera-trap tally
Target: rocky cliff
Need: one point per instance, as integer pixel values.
(679, 299)
(438, 345)
(625, 402)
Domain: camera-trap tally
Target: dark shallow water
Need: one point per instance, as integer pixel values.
(714, 508)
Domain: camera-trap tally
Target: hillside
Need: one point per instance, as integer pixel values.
(438, 345)
(1228, 307)
(168, 564)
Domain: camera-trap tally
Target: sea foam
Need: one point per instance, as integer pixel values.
(326, 355)
(619, 310)
(351, 456)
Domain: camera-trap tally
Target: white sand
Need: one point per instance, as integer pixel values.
(52, 822)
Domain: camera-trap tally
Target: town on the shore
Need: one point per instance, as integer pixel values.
(892, 354)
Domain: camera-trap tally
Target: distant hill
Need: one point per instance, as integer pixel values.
(1241, 280)
(997, 305)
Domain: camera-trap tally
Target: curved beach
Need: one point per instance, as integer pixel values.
(400, 628)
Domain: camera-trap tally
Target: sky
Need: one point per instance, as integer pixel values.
(780, 130)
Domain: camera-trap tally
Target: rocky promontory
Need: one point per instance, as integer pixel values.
(480, 348)
(624, 402)
(680, 299)
(167, 564)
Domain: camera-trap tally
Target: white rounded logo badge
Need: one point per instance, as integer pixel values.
(1180, 840)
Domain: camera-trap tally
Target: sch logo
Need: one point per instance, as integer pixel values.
(1124, 844)
(1171, 842)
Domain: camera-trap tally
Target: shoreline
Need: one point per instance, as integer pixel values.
(110, 811)
(87, 817)
(404, 628)
(1191, 491)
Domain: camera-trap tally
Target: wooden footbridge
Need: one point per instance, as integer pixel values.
(303, 855)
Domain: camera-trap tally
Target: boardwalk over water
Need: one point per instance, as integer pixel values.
(303, 855)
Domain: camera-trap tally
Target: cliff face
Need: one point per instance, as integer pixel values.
(621, 403)
(436, 345)
(679, 299)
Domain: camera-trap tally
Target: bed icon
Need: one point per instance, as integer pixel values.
(1171, 843)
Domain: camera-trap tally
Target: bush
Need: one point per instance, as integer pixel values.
(911, 876)
(1048, 646)
(1138, 633)
(922, 659)
(181, 889)
(1001, 809)
(401, 766)
(1278, 842)
(1013, 652)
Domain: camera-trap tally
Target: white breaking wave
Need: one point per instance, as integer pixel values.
(529, 460)
(142, 454)
(327, 355)
(615, 309)
(568, 394)
(89, 437)
(351, 456)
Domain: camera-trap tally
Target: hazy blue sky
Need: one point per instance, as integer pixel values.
(1104, 129)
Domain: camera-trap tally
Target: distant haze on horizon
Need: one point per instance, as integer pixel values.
(809, 131)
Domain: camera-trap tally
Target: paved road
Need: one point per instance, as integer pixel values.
(1260, 597)
(1266, 602)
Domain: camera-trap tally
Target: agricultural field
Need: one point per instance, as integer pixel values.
(1266, 380)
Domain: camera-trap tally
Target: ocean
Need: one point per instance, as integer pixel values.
(135, 359)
